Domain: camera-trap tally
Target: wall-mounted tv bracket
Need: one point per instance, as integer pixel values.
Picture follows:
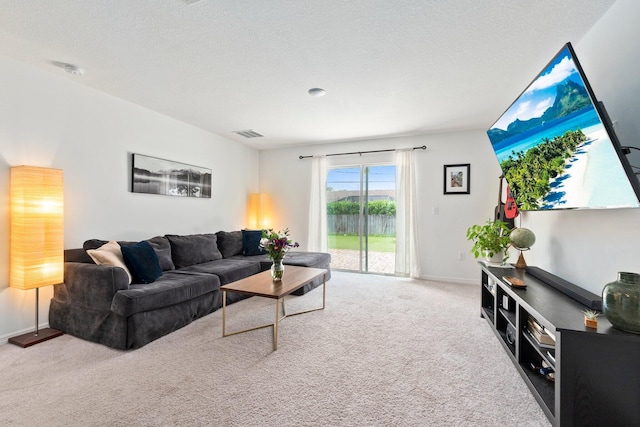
(626, 150)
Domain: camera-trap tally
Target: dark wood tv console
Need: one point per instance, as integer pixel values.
(597, 373)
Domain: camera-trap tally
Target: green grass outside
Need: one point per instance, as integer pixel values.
(352, 242)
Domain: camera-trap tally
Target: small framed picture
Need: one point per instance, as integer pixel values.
(456, 179)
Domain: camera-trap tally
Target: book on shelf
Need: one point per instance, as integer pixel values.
(551, 334)
(542, 345)
(539, 333)
(535, 324)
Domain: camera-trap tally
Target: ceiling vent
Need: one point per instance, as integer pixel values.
(190, 1)
(248, 133)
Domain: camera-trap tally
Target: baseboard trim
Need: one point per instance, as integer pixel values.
(448, 279)
(4, 339)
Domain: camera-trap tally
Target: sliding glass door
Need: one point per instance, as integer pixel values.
(361, 218)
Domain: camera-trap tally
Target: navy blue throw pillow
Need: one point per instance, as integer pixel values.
(142, 262)
(251, 242)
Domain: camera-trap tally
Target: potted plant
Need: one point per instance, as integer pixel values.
(490, 241)
(591, 318)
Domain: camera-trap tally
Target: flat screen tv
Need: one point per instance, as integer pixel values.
(557, 148)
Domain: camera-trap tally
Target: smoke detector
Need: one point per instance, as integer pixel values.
(73, 69)
(317, 91)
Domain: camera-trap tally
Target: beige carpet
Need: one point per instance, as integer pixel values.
(385, 352)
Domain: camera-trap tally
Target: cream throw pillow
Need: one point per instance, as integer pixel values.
(109, 254)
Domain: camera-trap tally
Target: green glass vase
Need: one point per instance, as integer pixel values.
(621, 302)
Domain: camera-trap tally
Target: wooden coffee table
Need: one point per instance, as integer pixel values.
(262, 285)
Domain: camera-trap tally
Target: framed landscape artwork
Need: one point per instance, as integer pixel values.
(159, 176)
(456, 179)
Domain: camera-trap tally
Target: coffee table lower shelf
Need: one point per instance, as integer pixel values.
(262, 285)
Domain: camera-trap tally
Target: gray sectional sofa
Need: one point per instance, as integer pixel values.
(101, 303)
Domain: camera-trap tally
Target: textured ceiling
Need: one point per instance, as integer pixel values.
(396, 67)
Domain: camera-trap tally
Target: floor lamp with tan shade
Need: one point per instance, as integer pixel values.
(259, 212)
(37, 237)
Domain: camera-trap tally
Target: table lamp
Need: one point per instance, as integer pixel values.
(37, 237)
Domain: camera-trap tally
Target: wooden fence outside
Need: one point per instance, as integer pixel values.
(379, 225)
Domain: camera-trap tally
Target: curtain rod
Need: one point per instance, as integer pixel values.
(424, 147)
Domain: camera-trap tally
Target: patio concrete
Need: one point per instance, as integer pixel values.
(379, 262)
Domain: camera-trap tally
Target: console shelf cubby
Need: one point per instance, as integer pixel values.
(579, 376)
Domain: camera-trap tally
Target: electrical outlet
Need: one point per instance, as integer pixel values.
(436, 210)
(461, 256)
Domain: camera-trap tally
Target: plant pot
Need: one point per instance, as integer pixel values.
(497, 259)
(591, 323)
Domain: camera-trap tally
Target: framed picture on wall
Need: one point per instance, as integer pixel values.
(456, 179)
(159, 176)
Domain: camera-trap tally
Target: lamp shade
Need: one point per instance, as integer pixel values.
(37, 227)
(259, 213)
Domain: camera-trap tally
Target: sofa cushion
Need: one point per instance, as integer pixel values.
(298, 258)
(264, 260)
(96, 243)
(251, 243)
(170, 289)
(109, 254)
(228, 269)
(308, 259)
(229, 243)
(77, 255)
(162, 248)
(142, 262)
(193, 249)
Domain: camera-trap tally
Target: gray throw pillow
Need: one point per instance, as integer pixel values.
(162, 248)
(193, 249)
(230, 243)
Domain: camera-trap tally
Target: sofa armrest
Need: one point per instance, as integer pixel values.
(90, 285)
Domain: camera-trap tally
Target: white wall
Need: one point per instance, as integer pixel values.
(442, 236)
(588, 248)
(50, 120)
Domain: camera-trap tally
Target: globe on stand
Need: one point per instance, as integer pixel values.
(522, 239)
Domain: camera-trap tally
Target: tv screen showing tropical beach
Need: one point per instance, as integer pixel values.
(553, 148)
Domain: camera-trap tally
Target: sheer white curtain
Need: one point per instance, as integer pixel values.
(317, 240)
(407, 256)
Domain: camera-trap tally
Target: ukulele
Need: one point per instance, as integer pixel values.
(511, 209)
(500, 213)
